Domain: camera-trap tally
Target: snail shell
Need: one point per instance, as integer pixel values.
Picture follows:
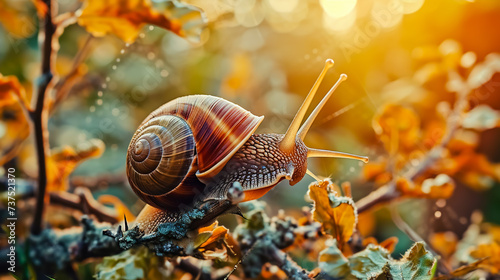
(182, 145)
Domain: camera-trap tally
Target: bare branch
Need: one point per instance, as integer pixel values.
(40, 116)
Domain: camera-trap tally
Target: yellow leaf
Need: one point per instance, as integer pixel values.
(11, 90)
(125, 18)
(461, 271)
(15, 18)
(492, 253)
(444, 242)
(216, 234)
(398, 128)
(14, 129)
(338, 215)
(440, 187)
(64, 160)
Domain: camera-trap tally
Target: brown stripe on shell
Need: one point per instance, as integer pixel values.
(160, 157)
(219, 127)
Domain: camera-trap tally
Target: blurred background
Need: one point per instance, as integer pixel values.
(265, 56)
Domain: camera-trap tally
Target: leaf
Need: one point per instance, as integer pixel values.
(64, 160)
(440, 187)
(445, 243)
(369, 261)
(375, 262)
(492, 253)
(389, 244)
(481, 117)
(125, 18)
(398, 128)
(462, 271)
(338, 215)
(417, 263)
(332, 261)
(137, 263)
(14, 129)
(12, 91)
(211, 240)
(15, 18)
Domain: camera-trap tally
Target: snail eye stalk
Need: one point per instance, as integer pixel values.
(288, 142)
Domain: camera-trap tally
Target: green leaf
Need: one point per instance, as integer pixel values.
(132, 264)
(369, 262)
(332, 262)
(375, 262)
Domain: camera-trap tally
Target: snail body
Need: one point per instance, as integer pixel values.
(194, 148)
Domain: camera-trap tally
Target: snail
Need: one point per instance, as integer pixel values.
(194, 148)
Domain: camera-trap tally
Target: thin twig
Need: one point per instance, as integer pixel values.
(84, 202)
(414, 236)
(64, 85)
(40, 116)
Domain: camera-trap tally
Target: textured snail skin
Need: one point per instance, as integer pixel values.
(259, 165)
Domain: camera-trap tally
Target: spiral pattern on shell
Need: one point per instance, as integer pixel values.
(182, 145)
(160, 155)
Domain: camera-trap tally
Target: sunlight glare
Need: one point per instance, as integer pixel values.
(338, 8)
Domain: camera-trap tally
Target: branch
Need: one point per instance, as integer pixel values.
(39, 117)
(84, 202)
(275, 256)
(64, 85)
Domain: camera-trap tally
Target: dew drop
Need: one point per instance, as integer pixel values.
(118, 60)
(142, 35)
(99, 102)
(104, 85)
(351, 169)
(122, 51)
(115, 112)
(114, 67)
(151, 55)
(441, 203)
(151, 27)
(99, 93)
(92, 109)
(164, 73)
(437, 214)
(127, 45)
(108, 79)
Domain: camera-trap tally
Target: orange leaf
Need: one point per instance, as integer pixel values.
(390, 243)
(442, 186)
(462, 271)
(492, 253)
(125, 18)
(10, 89)
(337, 215)
(398, 128)
(14, 129)
(14, 16)
(64, 160)
(444, 242)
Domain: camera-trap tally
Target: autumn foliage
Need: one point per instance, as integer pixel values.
(424, 109)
